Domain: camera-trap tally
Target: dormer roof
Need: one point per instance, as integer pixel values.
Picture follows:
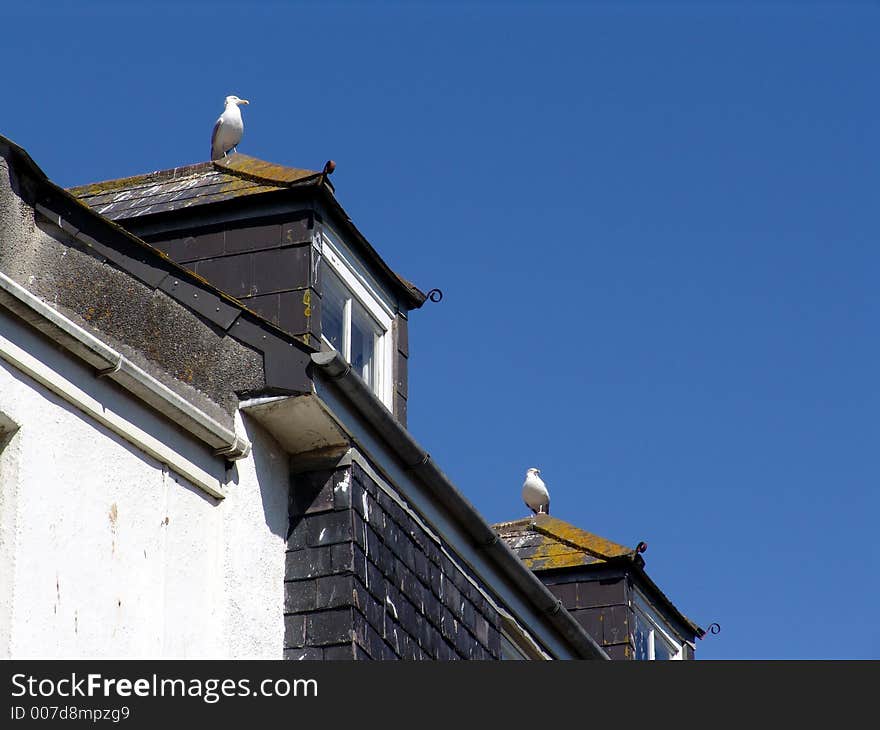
(165, 191)
(236, 178)
(545, 543)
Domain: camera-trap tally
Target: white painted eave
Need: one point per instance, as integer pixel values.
(303, 426)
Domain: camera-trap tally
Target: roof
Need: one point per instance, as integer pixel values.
(153, 268)
(164, 191)
(235, 177)
(543, 542)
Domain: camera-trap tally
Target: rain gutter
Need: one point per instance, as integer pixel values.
(332, 366)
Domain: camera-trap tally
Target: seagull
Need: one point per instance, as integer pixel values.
(534, 492)
(228, 128)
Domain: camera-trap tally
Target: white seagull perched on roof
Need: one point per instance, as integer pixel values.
(535, 494)
(228, 128)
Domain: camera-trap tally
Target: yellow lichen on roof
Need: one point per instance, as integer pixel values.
(599, 546)
(551, 554)
(269, 172)
(543, 542)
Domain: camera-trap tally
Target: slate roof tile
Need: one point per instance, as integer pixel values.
(183, 187)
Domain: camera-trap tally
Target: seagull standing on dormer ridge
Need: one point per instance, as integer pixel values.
(228, 128)
(534, 492)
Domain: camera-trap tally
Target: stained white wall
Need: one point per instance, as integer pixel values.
(104, 552)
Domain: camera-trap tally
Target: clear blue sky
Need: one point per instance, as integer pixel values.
(655, 226)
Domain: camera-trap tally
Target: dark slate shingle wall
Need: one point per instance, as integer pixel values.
(601, 607)
(365, 581)
(265, 265)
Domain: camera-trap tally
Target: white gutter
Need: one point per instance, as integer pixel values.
(115, 366)
(149, 444)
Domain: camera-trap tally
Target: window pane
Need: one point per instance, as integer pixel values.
(365, 334)
(333, 310)
(662, 650)
(641, 636)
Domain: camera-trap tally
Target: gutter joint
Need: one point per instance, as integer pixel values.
(112, 369)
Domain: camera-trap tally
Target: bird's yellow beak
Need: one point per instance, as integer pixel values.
(243, 101)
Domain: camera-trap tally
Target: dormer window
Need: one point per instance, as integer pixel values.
(355, 318)
(653, 638)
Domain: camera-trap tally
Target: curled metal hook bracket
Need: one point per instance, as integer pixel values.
(713, 628)
(435, 295)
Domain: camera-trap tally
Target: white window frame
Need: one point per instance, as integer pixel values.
(369, 294)
(642, 608)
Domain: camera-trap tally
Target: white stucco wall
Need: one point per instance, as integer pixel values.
(104, 552)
